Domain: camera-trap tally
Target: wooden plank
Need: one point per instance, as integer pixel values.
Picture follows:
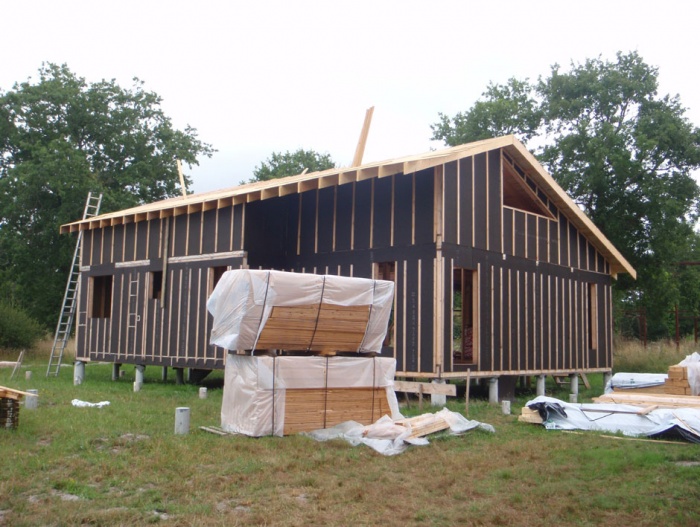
(662, 401)
(427, 388)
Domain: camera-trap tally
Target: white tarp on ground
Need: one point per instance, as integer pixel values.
(389, 438)
(243, 299)
(248, 406)
(627, 381)
(618, 418)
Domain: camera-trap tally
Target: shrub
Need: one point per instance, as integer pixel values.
(17, 328)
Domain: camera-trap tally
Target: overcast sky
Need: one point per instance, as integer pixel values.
(257, 77)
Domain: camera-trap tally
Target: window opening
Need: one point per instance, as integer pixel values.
(101, 296)
(593, 316)
(518, 194)
(463, 312)
(156, 285)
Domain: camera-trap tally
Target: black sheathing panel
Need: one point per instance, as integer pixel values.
(88, 248)
(108, 245)
(563, 241)
(381, 228)
(537, 320)
(480, 202)
(424, 199)
(209, 231)
(553, 242)
(196, 317)
(363, 213)
(465, 201)
(427, 309)
(520, 235)
(542, 229)
(450, 203)
(194, 232)
(509, 320)
(179, 235)
(519, 302)
(546, 312)
(485, 360)
(495, 201)
(326, 204)
(410, 330)
(154, 238)
(399, 295)
(573, 246)
(130, 242)
(343, 217)
(292, 226)
(223, 229)
(362, 269)
(446, 328)
(530, 318)
(531, 236)
(237, 227)
(508, 231)
(495, 310)
(403, 210)
(308, 222)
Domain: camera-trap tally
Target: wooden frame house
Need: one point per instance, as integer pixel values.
(496, 270)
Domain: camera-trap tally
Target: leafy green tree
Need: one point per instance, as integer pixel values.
(61, 137)
(624, 153)
(291, 163)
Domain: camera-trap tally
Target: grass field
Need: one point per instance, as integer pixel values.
(123, 465)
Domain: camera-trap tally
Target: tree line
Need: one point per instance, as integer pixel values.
(625, 153)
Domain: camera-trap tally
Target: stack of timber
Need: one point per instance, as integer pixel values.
(266, 395)
(9, 407)
(321, 328)
(296, 312)
(312, 409)
(677, 381)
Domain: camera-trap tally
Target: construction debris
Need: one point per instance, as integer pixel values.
(389, 437)
(650, 418)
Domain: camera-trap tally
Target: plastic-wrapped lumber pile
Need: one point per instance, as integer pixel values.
(285, 395)
(275, 310)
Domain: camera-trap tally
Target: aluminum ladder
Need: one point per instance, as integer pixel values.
(65, 320)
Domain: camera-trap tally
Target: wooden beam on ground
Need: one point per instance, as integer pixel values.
(425, 388)
(648, 399)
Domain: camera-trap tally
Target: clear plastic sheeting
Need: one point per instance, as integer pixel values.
(692, 365)
(629, 381)
(389, 438)
(254, 387)
(627, 419)
(243, 300)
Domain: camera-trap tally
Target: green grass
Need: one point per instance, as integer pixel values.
(123, 465)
